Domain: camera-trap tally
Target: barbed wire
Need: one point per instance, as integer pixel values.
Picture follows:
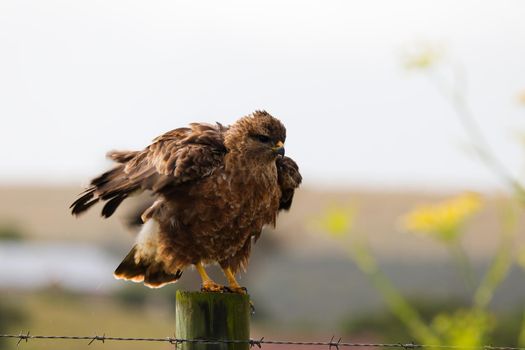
(332, 344)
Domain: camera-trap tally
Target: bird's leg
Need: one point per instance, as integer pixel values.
(234, 285)
(207, 283)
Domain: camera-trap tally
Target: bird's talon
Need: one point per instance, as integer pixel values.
(237, 290)
(211, 287)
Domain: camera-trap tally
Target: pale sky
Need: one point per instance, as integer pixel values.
(78, 78)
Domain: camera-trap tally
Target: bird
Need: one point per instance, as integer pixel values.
(214, 189)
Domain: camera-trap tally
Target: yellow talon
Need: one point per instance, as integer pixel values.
(234, 285)
(208, 285)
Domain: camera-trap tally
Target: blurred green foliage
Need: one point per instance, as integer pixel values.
(455, 324)
(386, 325)
(56, 311)
(10, 316)
(10, 232)
(136, 295)
(468, 324)
(131, 295)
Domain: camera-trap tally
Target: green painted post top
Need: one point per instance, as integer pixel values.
(214, 316)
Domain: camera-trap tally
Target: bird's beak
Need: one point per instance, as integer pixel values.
(279, 148)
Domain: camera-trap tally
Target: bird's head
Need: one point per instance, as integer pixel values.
(258, 135)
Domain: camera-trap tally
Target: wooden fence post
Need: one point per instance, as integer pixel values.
(217, 316)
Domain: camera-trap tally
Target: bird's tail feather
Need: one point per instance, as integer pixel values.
(152, 273)
(112, 187)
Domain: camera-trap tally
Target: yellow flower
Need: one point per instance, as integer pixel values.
(422, 56)
(444, 220)
(337, 220)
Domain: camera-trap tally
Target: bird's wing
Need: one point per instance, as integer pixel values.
(176, 157)
(289, 179)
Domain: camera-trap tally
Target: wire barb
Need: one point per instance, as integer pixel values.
(173, 340)
(256, 343)
(333, 344)
(21, 337)
(102, 338)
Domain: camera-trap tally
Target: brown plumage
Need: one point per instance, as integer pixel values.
(215, 188)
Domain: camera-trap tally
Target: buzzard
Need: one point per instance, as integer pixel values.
(215, 188)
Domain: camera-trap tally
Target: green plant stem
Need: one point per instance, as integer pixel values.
(497, 272)
(455, 94)
(521, 337)
(501, 263)
(394, 300)
(464, 264)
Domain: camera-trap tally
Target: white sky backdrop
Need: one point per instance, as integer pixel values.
(78, 78)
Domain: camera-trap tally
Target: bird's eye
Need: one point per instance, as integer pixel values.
(263, 138)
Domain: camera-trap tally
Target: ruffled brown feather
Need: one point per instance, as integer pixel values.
(178, 156)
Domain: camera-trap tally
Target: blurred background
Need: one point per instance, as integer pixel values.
(406, 119)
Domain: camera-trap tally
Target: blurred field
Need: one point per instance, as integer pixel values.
(290, 268)
(42, 213)
(50, 313)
